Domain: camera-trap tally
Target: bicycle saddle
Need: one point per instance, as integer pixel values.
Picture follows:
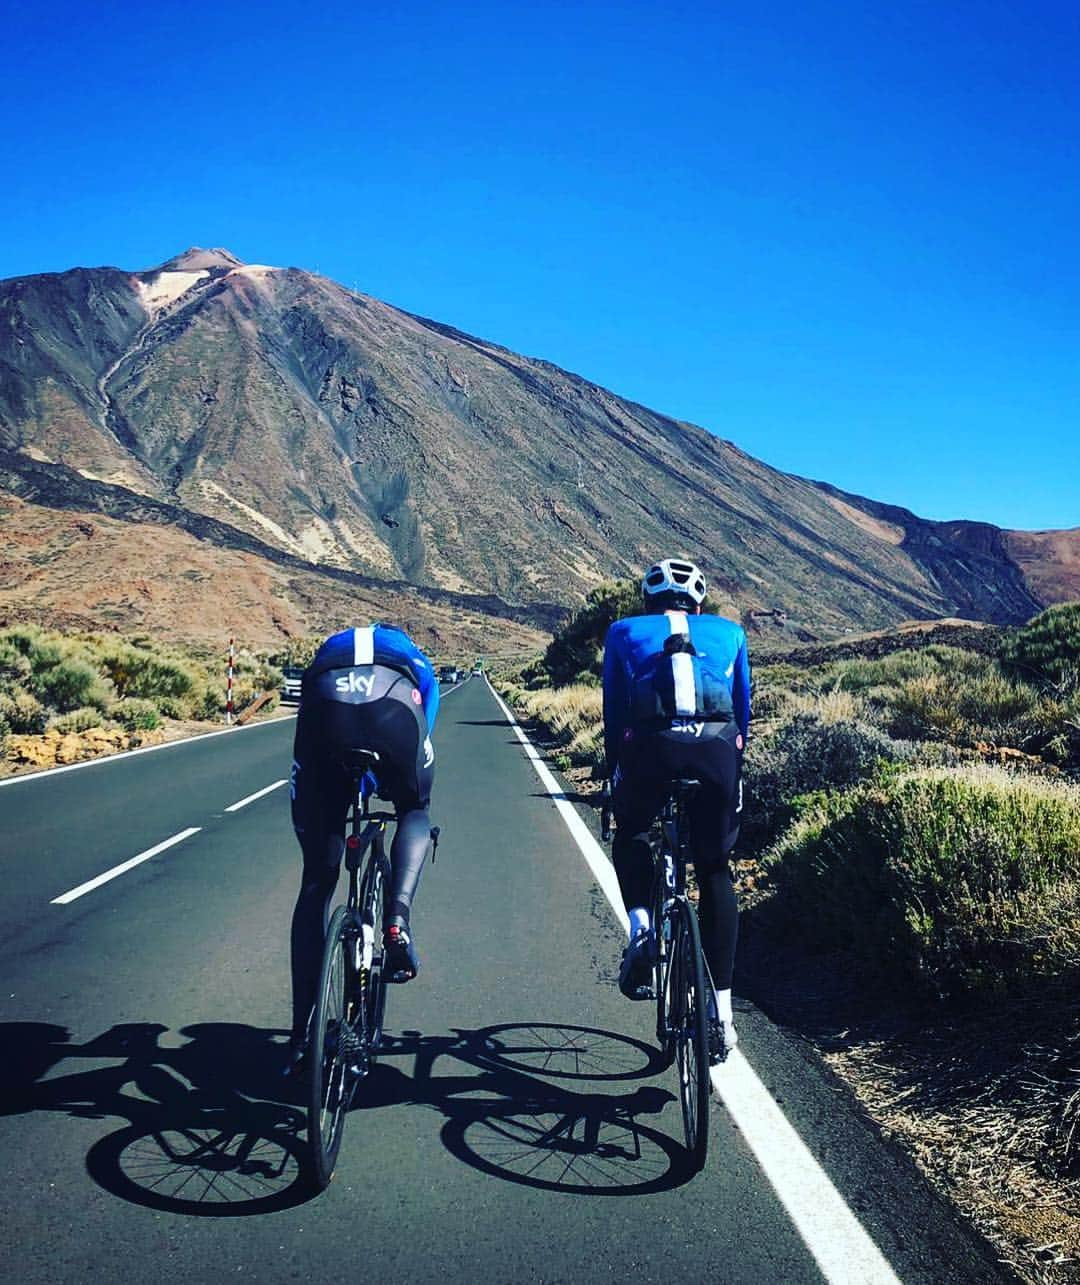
(357, 762)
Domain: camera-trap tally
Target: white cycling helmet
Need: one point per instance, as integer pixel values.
(672, 575)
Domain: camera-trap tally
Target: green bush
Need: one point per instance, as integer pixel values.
(967, 709)
(773, 687)
(14, 665)
(1047, 648)
(577, 648)
(867, 675)
(23, 713)
(69, 684)
(805, 755)
(949, 878)
(210, 704)
(79, 720)
(137, 714)
(138, 672)
(298, 651)
(21, 638)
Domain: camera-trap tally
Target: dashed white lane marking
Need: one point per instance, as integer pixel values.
(145, 749)
(242, 803)
(838, 1242)
(124, 866)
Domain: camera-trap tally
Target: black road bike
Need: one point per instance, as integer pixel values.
(350, 1004)
(681, 981)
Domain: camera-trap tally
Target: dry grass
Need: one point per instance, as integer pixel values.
(980, 1126)
(571, 716)
(566, 710)
(831, 707)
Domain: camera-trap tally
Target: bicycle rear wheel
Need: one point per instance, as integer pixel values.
(688, 1022)
(331, 1083)
(372, 978)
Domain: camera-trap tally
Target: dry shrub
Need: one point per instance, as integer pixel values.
(137, 714)
(948, 878)
(985, 707)
(808, 753)
(573, 716)
(829, 707)
(78, 720)
(23, 713)
(1047, 648)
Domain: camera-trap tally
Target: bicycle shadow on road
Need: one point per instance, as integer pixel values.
(211, 1128)
(527, 1104)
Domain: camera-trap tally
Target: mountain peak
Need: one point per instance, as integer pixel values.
(196, 259)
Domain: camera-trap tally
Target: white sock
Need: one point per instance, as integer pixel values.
(639, 919)
(723, 1009)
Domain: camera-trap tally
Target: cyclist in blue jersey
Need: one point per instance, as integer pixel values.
(374, 690)
(677, 704)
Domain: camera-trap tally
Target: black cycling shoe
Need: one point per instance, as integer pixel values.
(722, 1039)
(296, 1059)
(635, 973)
(402, 962)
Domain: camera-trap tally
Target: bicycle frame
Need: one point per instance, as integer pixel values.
(366, 833)
(674, 847)
(680, 963)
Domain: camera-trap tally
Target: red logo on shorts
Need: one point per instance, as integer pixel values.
(417, 698)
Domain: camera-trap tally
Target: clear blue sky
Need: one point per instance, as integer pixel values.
(845, 236)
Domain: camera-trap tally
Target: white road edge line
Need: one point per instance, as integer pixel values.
(840, 1245)
(242, 803)
(124, 866)
(145, 749)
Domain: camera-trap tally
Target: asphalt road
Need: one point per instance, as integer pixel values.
(516, 1129)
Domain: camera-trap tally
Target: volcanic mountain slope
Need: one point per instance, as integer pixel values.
(339, 430)
(76, 570)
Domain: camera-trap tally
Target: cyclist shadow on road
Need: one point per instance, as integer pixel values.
(211, 1128)
(526, 1103)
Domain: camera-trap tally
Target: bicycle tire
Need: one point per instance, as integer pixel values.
(662, 921)
(330, 1086)
(689, 1023)
(373, 984)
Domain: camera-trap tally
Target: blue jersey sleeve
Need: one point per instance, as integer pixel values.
(740, 689)
(429, 690)
(615, 695)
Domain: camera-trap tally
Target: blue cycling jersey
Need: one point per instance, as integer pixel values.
(382, 645)
(692, 666)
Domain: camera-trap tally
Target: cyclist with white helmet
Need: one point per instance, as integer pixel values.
(677, 704)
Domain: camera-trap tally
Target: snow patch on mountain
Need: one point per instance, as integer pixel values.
(166, 288)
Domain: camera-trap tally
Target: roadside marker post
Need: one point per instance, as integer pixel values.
(228, 684)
